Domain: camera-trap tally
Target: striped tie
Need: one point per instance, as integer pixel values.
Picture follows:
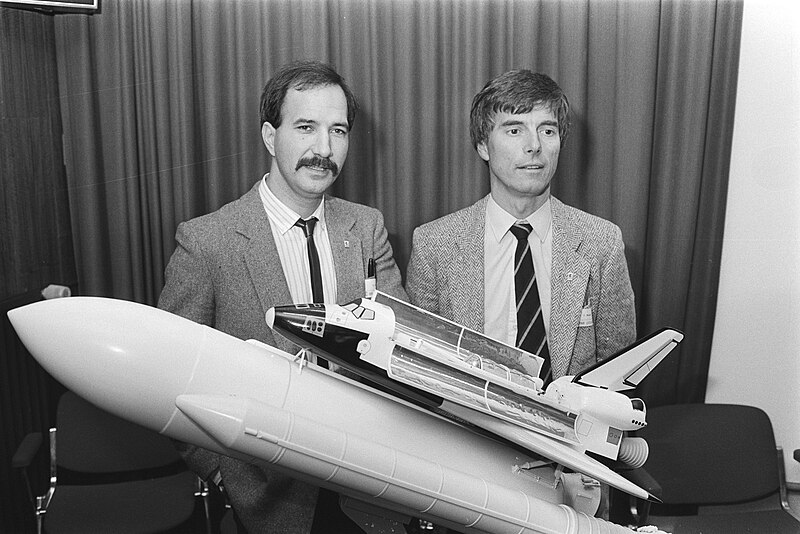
(531, 335)
(313, 259)
(314, 267)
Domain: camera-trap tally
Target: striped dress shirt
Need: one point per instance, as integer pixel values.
(290, 240)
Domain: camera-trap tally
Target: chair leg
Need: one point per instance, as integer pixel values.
(784, 492)
(42, 502)
(40, 510)
(204, 492)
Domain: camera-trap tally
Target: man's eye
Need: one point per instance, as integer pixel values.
(513, 131)
(341, 132)
(550, 131)
(305, 127)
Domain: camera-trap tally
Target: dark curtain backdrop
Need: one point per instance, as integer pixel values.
(35, 237)
(159, 101)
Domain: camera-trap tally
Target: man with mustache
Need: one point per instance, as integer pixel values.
(466, 265)
(232, 265)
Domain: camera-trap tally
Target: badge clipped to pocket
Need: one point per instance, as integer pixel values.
(586, 316)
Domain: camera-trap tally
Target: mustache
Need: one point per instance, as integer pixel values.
(318, 161)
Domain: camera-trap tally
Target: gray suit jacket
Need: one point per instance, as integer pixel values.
(226, 273)
(446, 276)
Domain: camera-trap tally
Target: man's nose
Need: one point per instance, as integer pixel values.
(322, 147)
(532, 143)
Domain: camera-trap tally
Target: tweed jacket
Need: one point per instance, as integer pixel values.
(446, 276)
(226, 273)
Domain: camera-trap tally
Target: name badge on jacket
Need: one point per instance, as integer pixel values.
(586, 316)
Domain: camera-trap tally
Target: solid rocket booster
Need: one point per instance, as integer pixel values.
(250, 401)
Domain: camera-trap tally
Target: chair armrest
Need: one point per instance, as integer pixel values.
(797, 454)
(26, 451)
(23, 457)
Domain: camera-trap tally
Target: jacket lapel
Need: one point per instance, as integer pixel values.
(261, 255)
(347, 251)
(570, 277)
(468, 269)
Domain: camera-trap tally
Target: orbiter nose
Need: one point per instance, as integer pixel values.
(270, 317)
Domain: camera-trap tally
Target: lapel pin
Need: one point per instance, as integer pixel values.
(570, 276)
(346, 243)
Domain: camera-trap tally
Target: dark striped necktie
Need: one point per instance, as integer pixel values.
(531, 334)
(313, 259)
(314, 267)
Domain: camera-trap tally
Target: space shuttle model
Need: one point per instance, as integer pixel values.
(487, 383)
(449, 426)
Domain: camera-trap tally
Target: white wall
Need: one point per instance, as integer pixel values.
(755, 356)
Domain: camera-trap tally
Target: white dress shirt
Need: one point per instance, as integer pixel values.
(500, 307)
(290, 241)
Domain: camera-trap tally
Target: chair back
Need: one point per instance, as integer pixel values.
(711, 454)
(92, 441)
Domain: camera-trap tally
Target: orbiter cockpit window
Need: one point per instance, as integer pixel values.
(360, 312)
(364, 314)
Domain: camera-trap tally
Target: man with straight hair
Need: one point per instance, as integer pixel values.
(284, 241)
(520, 265)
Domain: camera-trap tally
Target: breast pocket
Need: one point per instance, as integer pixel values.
(585, 352)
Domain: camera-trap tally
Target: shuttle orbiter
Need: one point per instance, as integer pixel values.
(492, 385)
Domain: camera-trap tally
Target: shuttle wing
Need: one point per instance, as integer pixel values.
(626, 369)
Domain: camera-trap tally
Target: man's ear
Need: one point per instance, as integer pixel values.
(483, 151)
(268, 136)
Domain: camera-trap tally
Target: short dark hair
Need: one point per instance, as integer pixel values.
(301, 75)
(516, 91)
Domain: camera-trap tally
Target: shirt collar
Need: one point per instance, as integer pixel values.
(500, 221)
(282, 216)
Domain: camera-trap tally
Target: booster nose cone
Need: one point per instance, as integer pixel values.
(113, 353)
(270, 317)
